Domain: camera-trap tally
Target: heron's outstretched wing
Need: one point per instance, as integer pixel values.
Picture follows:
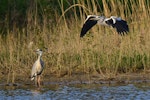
(87, 25)
(120, 25)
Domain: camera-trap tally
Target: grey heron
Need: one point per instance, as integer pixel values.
(37, 68)
(116, 22)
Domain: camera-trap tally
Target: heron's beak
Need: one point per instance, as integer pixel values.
(35, 51)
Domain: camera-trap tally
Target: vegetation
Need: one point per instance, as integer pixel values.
(26, 25)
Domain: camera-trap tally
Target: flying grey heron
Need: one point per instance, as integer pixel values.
(37, 68)
(116, 22)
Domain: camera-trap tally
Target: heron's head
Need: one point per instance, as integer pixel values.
(39, 51)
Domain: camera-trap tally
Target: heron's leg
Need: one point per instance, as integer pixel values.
(36, 78)
(38, 81)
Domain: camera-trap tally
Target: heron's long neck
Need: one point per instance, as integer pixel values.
(39, 56)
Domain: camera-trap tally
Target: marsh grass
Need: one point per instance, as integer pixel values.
(102, 50)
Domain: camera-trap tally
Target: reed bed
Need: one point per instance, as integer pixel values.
(102, 50)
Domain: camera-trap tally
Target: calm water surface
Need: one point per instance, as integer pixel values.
(76, 92)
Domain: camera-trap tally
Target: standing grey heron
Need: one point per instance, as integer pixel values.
(37, 68)
(116, 22)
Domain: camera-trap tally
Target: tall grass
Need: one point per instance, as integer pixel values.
(102, 50)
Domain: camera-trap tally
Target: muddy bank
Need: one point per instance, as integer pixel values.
(99, 79)
(81, 78)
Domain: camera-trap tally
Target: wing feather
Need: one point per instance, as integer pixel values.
(87, 26)
(120, 25)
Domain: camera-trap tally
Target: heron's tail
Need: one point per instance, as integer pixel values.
(32, 78)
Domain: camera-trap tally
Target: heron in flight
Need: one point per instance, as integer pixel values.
(37, 68)
(116, 22)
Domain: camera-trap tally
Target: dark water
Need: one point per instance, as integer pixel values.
(77, 92)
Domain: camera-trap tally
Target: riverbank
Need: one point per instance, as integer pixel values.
(81, 78)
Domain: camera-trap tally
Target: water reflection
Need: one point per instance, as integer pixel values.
(36, 93)
(77, 92)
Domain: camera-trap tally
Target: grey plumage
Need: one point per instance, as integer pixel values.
(38, 67)
(118, 23)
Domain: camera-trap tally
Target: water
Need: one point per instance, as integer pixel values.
(77, 92)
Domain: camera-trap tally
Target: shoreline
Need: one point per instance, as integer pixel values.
(125, 78)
